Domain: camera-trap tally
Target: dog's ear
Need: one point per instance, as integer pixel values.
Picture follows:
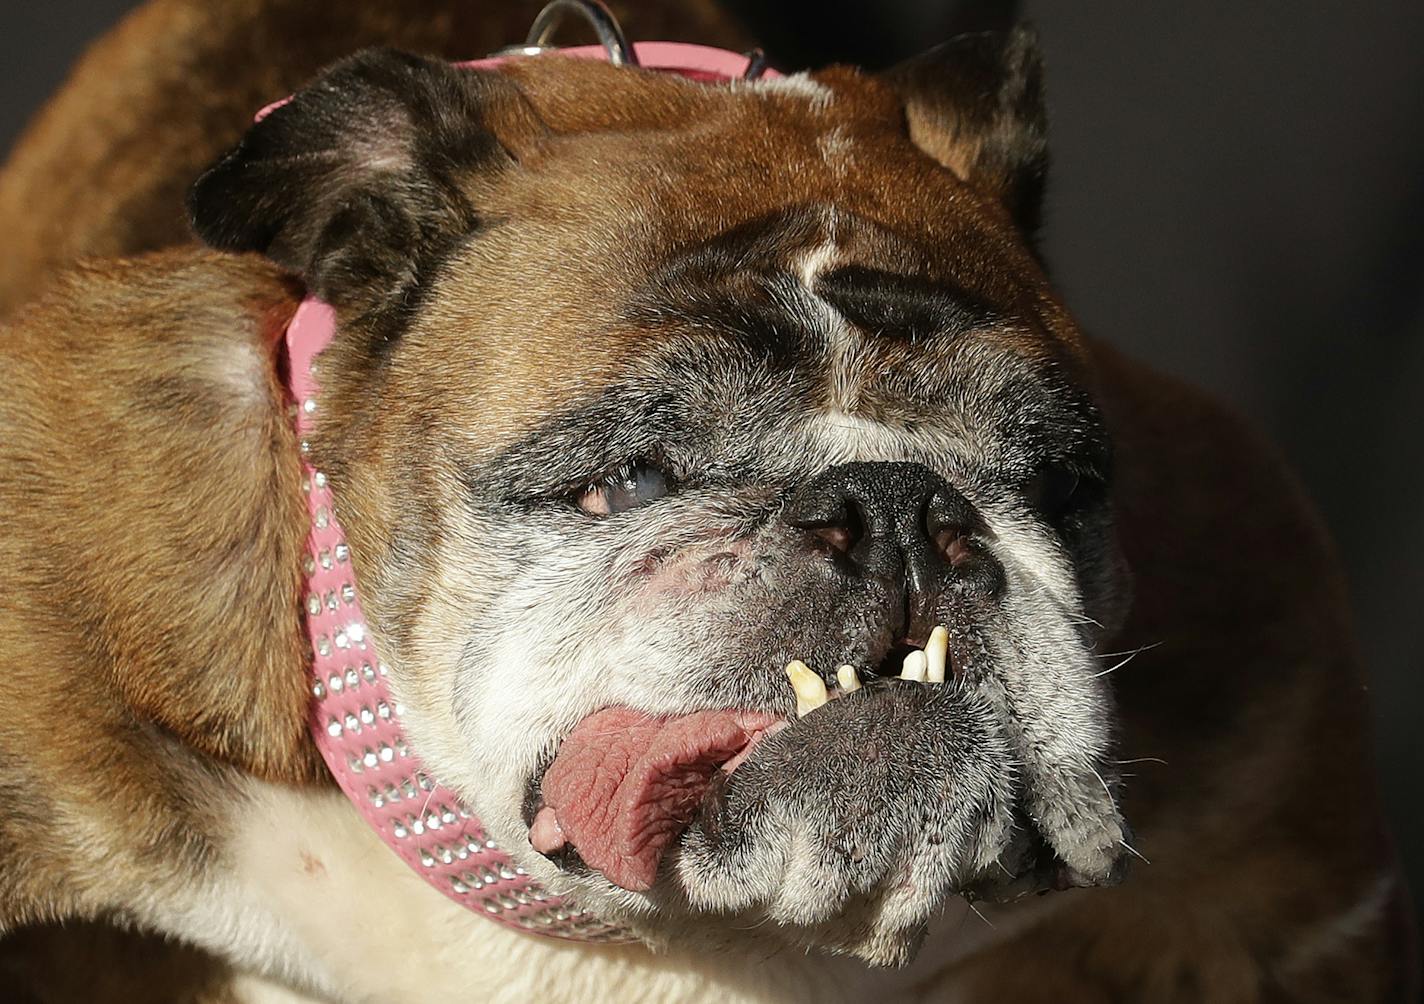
(975, 104)
(360, 183)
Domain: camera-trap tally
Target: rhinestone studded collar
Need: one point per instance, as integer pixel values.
(355, 720)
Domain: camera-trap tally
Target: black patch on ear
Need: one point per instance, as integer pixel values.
(976, 105)
(356, 183)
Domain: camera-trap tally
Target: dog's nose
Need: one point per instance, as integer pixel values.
(897, 521)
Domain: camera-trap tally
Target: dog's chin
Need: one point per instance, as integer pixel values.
(844, 829)
(619, 792)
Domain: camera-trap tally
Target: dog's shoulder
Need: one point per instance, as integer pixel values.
(150, 540)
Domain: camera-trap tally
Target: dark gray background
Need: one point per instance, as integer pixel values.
(1238, 197)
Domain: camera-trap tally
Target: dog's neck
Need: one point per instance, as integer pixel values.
(355, 720)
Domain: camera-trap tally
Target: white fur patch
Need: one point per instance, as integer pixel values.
(799, 85)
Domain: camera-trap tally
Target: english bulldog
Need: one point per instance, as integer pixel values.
(752, 542)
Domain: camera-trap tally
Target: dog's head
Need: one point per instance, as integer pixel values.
(644, 388)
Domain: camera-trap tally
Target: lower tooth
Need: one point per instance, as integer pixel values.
(916, 667)
(937, 654)
(847, 677)
(810, 688)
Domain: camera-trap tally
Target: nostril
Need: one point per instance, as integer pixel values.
(839, 537)
(953, 547)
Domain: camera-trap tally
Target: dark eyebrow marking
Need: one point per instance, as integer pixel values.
(565, 450)
(895, 305)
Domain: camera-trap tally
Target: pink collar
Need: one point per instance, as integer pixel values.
(355, 720)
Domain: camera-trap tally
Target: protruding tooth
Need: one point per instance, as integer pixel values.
(937, 654)
(847, 677)
(915, 667)
(810, 688)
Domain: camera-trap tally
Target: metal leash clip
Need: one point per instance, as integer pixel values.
(609, 31)
(551, 18)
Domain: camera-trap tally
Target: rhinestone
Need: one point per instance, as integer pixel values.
(446, 816)
(446, 855)
(335, 683)
(313, 604)
(323, 518)
(491, 906)
(505, 872)
(464, 813)
(401, 748)
(432, 822)
(357, 631)
(330, 602)
(368, 673)
(323, 644)
(352, 725)
(387, 754)
(308, 406)
(325, 558)
(383, 710)
(305, 447)
(384, 670)
(306, 485)
(355, 764)
(398, 828)
(459, 886)
(426, 859)
(462, 852)
(309, 565)
(320, 479)
(491, 845)
(333, 728)
(352, 680)
(519, 870)
(377, 799)
(348, 593)
(342, 552)
(342, 641)
(507, 903)
(368, 717)
(318, 690)
(423, 779)
(474, 845)
(408, 788)
(417, 826)
(369, 758)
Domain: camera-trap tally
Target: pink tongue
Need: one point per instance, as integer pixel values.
(624, 785)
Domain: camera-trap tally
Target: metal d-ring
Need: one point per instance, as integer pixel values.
(610, 33)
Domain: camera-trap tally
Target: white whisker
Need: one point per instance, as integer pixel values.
(981, 916)
(1134, 852)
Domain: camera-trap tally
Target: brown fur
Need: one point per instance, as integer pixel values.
(122, 553)
(103, 168)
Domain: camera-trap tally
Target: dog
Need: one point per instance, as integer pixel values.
(641, 391)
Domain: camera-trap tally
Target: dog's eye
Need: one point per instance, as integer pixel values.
(627, 488)
(1057, 491)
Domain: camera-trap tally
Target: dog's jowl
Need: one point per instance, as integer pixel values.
(752, 542)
